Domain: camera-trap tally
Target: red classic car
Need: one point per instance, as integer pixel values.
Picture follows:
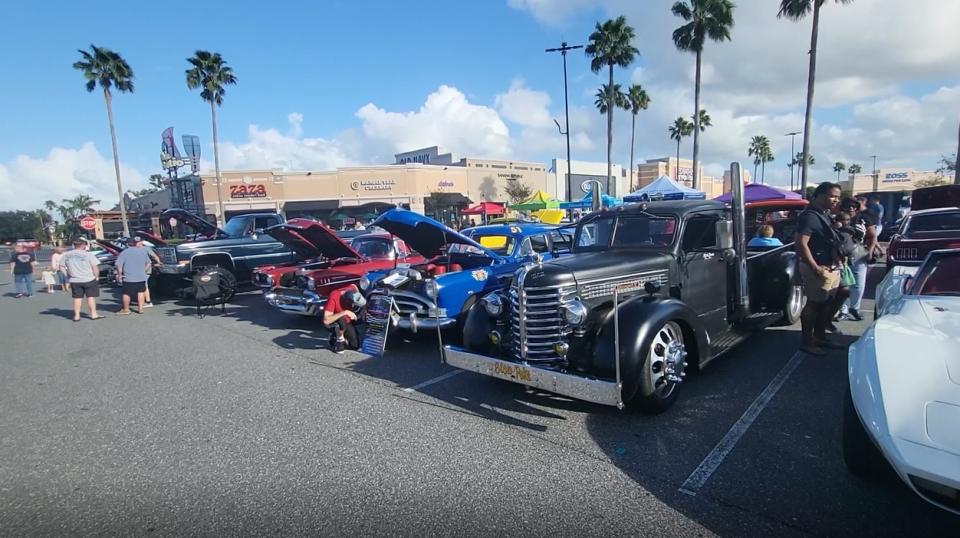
(923, 231)
(332, 263)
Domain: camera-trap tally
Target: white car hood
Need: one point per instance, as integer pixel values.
(918, 361)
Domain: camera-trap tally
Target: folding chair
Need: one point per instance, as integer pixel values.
(212, 286)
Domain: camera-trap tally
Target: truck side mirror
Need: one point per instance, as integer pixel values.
(724, 234)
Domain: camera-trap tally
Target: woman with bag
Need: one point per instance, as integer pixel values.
(863, 228)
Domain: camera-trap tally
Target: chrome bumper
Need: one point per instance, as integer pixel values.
(574, 386)
(414, 324)
(305, 303)
(171, 269)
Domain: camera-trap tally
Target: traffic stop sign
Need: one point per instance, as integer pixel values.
(88, 223)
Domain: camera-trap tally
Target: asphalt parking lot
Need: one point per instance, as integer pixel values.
(245, 423)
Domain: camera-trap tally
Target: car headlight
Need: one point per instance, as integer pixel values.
(364, 283)
(493, 303)
(431, 289)
(575, 312)
(311, 283)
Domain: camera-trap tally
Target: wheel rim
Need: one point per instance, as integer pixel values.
(796, 301)
(666, 359)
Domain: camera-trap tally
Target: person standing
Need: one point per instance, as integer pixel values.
(876, 209)
(22, 261)
(83, 273)
(342, 309)
(132, 266)
(59, 273)
(863, 229)
(147, 303)
(816, 245)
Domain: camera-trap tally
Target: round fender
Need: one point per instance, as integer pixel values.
(639, 319)
(477, 328)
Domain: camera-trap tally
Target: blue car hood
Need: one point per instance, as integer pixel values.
(424, 234)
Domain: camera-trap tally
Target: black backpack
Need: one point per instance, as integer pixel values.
(206, 284)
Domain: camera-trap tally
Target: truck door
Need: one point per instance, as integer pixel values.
(704, 273)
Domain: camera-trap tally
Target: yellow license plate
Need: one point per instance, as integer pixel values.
(511, 371)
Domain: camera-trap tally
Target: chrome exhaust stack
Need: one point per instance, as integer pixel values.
(739, 239)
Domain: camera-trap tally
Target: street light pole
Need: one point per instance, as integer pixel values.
(793, 155)
(876, 177)
(562, 49)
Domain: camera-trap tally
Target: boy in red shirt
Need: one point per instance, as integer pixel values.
(342, 310)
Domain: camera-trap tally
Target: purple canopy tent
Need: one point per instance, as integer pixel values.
(755, 192)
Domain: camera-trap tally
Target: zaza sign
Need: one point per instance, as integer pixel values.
(373, 184)
(248, 191)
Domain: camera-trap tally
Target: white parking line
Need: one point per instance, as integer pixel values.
(700, 475)
(437, 379)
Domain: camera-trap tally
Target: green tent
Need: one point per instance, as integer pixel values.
(539, 200)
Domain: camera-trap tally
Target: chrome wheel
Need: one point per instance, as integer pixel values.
(795, 306)
(667, 359)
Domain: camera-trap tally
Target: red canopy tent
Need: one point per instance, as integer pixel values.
(484, 208)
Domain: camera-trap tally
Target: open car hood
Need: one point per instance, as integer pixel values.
(155, 239)
(199, 225)
(108, 246)
(423, 234)
(311, 239)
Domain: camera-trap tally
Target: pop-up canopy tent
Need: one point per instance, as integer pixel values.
(664, 188)
(755, 192)
(539, 200)
(586, 202)
(484, 208)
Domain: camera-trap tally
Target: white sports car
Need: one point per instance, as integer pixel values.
(903, 400)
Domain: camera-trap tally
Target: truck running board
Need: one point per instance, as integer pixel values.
(747, 328)
(574, 386)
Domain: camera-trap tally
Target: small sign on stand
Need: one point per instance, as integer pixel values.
(379, 310)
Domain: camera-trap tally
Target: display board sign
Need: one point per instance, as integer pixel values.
(379, 310)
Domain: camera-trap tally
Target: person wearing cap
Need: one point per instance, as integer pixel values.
(156, 260)
(133, 266)
(342, 310)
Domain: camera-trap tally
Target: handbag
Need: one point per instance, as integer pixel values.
(847, 278)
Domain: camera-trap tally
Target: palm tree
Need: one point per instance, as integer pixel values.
(611, 43)
(680, 128)
(796, 10)
(705, 18)
(755, 150)
(638, 100)
(703, 119)
(766, 156)
(839, 167)
(854, 169)
(211, 73)
(600, 98)
(103, 67)
(798, 159)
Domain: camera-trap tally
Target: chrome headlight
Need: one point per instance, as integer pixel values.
(311, 283)
(364, 283)
(493, 303)
(575, 312)
(431, 289)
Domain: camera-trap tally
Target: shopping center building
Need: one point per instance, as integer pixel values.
(890, 179)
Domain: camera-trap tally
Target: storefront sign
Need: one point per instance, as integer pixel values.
(373, 184)
(509, 176)
(445, 184)
(896, 177)
(248, 191)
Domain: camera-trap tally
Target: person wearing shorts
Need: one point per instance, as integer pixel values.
(343, 309)
(817, 247)
(133, 266)
(83, 272)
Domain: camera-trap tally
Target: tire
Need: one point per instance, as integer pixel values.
(794, 305)
(164, 286)
(655, 394)
(860, 455)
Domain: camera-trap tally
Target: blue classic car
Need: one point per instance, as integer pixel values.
(461, 266)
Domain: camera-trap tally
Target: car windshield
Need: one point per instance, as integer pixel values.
(939, 276)
(498, 243)
(937, 222)
(377, 248)
(625, 231)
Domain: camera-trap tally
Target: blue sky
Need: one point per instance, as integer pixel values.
(323, 84)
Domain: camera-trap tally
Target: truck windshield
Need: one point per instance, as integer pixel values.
(625, 231)
(236, 227)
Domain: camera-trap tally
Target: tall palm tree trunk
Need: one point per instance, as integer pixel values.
(763, 172)
(696, 126)
(811, 77)
(633, 136)
(222, 218)
(116, 163)
(755, 165)
(610, 105)
(676, 169)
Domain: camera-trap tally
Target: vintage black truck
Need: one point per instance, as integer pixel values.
(237, 248)
(651, 291)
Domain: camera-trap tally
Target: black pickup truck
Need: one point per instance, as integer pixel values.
(649, 292)
(237, 249)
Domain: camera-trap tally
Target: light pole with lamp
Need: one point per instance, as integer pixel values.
(793, 155)
(562, 49)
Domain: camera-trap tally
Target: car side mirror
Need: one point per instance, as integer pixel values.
(907, 282)
(724, 234)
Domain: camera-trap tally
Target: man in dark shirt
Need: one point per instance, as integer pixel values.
(21, 266)
(816, 245)
(341, 311)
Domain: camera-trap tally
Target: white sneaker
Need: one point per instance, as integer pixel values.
(148, 305)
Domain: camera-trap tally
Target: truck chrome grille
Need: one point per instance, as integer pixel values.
(167, 255)
(604, 288)
(536, 324)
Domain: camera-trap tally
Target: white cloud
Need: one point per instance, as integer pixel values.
(551, 12)
(524, 106)
(269, 148)
(63, 173)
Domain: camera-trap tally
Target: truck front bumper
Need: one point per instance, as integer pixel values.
(303, 302)
(575, 386)
(171, 269)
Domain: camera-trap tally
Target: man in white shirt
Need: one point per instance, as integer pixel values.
(83, 273)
